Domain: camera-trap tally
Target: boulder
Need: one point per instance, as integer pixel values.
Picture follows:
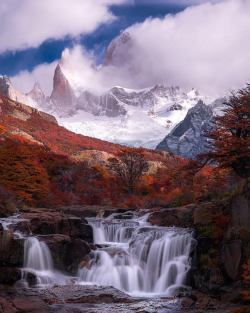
(9, 275)
(67, 253)
(44, 222)
(179, 217)
(11, 250)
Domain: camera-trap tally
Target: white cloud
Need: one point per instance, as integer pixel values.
(43, 74)
(205, 46)
(27, 23)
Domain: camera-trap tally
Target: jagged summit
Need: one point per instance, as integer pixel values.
(62, 93)
(37, 94)
(7, 88)
(186, 139)
(117, 51)
(129, 116)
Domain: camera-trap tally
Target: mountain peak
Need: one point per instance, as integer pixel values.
(62, 91)
(37, 94)
(117, 52)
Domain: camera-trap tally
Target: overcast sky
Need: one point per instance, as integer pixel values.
(186, 43)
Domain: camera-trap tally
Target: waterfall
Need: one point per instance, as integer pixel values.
(37, 255)
(138, 258)
(39, 263)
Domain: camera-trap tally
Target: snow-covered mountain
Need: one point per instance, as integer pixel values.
(127, 116)
(134, 117)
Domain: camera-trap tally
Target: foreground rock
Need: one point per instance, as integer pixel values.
(76, 299)
(66, 253)
(47, 221)
(179, 217)
(11, 256)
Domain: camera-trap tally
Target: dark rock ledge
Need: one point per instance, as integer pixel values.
(90, 299)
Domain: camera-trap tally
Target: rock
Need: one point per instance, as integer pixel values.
(62, 94)
(84, 211)
(37, 95)
(44, 222)
(230, 258)
(30, 305)
(117, 51)
(179, 217)
(6, 306)
(50, 118)
(9, 275)
(24, 227)
(11, 250)
(67, 253)
(240, 211)
(186, 138)
(187, 302)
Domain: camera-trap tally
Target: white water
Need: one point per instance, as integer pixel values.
(137, 258)
(132, 255)
(38, 261)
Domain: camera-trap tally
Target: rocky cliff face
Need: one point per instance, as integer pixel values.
(117, 52)
(7, 88)
(37, 95)
(186, 139)
(126, 116)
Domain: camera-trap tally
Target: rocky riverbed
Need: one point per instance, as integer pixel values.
(76, 299)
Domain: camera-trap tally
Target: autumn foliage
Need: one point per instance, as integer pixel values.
(40, 166)
(129, 165)
(230, 138)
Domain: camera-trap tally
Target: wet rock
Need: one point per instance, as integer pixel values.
(81, 210)
(9, 275)
(11, 250)
(179, 217)
(44, 222)
(24, 227)
(67, 253)
(6, 306)
(30, 305)
(125, 216)
(187, 302)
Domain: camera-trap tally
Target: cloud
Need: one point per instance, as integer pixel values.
(205, 46)
(43, 74)
(28, 23)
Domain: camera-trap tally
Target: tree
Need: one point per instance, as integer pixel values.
(129, 165)
(230, 138)
(21, 173)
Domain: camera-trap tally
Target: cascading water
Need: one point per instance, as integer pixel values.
(131, 255)
(38, 261)
(137, 258)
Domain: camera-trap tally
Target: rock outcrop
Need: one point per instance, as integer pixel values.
(186, 139)
(179, 217)
(66, 253)
(11, 249)
(37, 95)
(11, 257)
(46, 222)
(62, 93)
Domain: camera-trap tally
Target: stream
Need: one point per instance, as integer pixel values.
(131, 255)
